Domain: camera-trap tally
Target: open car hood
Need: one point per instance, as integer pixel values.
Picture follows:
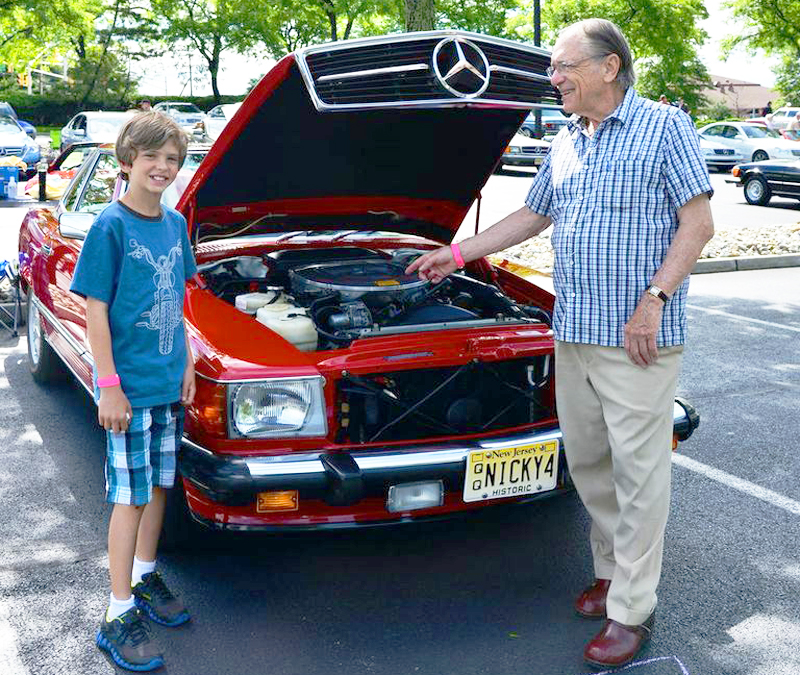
(397, 133)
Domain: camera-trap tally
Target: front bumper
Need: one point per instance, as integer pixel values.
(345, 478)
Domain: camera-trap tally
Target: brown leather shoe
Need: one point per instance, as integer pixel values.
(617, 644)
(592, 602)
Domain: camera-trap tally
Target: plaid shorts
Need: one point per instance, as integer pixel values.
(143, 456)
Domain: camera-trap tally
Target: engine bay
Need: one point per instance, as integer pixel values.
(325, 298)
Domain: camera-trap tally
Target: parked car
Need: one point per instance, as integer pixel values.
(552, 123)
(94, 126)
(217, 119)
(334, 390)
(7, 109)
(783, 117)
(763, 180)
(14, 142)
(755, 141)
(187, 115)
(64, 167)
(719, 157)
(524, 151)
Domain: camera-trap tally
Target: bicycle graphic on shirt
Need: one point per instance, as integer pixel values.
(166, 314)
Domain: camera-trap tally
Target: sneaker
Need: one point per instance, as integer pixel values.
(154, 598)
(127, 638)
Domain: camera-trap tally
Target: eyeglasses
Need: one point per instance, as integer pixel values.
(563, 67)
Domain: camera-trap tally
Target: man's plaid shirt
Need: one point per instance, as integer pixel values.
(614, 198)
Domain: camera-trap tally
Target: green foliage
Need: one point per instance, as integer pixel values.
(480, 16)
(663, 34)
(772, 25)
(102, 74)
(714, 112)
(787, 81)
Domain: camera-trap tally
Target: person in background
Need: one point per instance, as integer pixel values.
(627, 191)
(663, 99)
(144, 105)
(767, 109)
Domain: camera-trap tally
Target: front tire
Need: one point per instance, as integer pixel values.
(760, 156)
(756, 191)
(43, 362)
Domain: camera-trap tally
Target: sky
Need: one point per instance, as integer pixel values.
(168, 76)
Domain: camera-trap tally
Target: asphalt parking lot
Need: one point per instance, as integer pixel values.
(486, 594)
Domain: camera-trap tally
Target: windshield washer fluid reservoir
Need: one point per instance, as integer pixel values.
(250, 302)
(291, 323)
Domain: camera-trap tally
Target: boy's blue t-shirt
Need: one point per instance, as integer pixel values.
(138, 266)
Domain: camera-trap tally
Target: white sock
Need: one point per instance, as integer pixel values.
(118, 607)
(140, 568)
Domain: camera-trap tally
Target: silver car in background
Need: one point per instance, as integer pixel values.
(94, 126)
(720, 157)
(187, 115)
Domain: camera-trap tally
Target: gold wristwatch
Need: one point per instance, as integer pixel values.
(656, 292)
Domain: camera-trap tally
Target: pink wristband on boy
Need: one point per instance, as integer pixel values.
(456, 251)
(110, 381)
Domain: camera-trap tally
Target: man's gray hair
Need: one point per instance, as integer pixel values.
(605, 37)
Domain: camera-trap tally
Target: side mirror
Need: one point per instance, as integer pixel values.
(80, 132)
(75, 224)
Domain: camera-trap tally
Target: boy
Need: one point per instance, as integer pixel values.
(132, 271)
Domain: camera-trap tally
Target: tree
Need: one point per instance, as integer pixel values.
(663, 62)
(211, 27)
(772, 25)
(420, 15)
(480, 16)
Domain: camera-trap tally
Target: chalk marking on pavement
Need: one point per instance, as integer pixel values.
(762, 493)
(746, 319)
(635, 664)
(10, 663)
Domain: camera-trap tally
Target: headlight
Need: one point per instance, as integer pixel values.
(708, 152)
(513, 150)
(277, 408)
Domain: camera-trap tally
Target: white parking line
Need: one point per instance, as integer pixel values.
(762, 493)
(10, 663)
(746, 319)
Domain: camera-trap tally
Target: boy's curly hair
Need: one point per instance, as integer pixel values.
(148, 131)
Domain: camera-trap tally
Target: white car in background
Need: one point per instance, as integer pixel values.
(218, 117)
(93, 126)
(754, 141)
(718, 156)
(524, 151)
(783, 117)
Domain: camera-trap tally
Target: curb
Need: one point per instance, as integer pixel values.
(743, 263)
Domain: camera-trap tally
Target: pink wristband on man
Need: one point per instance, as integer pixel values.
(110, 381)
(456, 251)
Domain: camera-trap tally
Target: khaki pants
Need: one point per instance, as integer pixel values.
(616, 419)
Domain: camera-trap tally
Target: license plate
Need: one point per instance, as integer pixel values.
(511, 472)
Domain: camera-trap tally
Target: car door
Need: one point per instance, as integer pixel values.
(94, 187)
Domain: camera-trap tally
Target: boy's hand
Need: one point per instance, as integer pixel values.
(188, 387)
(114, 410)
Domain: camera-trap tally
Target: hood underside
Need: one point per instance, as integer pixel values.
(300, 154)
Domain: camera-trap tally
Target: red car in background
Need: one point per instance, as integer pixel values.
(334, 390)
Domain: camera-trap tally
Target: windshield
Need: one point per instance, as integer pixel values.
(6, 109)
(107, 126)
(757, 131)
(185, 107)
(193, 159)
(9, 126)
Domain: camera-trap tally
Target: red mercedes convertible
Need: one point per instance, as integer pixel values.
(333, 389)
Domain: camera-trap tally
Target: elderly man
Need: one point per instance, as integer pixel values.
(627, 191)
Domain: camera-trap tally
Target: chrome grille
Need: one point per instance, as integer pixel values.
(721, 151)
(534, 150)
(12, 151)
(400, 71)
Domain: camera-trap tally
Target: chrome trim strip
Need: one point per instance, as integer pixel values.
(373, 72)
(397, 459)
(520, 73)
(263, 378)
(83, 353)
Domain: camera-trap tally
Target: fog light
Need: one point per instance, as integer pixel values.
(269, 502)
(415, 496)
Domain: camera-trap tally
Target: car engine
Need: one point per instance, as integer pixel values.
(325, 298)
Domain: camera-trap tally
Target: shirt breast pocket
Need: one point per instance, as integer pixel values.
(627, 184)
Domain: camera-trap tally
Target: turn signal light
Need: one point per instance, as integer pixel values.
(285, 500)
(736, 171)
